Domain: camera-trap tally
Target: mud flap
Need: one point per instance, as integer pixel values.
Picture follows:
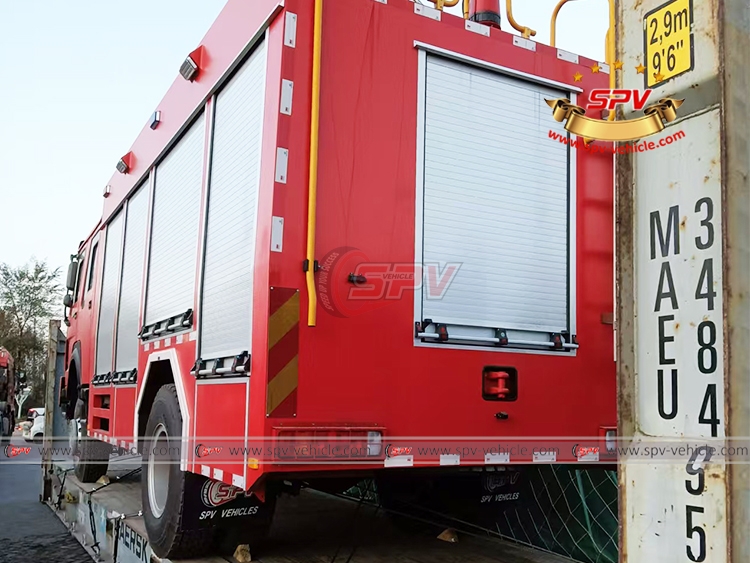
(209, 503)
(479, 497)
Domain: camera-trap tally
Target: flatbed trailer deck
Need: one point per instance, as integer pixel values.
(312, 527)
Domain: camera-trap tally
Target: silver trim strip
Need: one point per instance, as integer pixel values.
(290, 30)
(567, 56)
(491, 66)
(282, 161)
(572, 232)
(427, 11)
(287, 93)
(434, 335)
(478, 28)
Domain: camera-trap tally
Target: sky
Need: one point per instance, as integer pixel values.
(80, 78)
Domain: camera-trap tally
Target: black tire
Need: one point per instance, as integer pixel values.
(166, 533)
(92, 460)
(5, 438)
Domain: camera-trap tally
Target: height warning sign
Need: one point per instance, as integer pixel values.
(668, 41)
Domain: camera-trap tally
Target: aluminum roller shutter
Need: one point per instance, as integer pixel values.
(495, 201)
(128, 319)
(174, 231)
(226, 309)
(108, 298)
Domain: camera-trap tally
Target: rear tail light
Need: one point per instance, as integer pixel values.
(374, 443)
(329, 443)
(304, 444)
(608, 442)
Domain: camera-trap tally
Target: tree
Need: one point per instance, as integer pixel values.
(29, 296)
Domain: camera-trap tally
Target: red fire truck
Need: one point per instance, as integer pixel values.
(7, 396)
(345, 221)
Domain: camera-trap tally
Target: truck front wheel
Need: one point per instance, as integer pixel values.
(164, 484)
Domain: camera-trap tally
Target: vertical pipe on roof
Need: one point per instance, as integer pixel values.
(525, 31)
(553, 22)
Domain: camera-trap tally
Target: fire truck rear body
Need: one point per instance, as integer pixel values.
(223, 219)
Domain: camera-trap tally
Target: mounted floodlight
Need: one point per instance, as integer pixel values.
(155, 120)
(125, 163)
(192, 65)
(107, 190)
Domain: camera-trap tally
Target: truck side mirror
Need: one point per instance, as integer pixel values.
(70, 281)
(68, 300)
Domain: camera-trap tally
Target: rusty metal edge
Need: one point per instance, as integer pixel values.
(624, 302)
(734, 47)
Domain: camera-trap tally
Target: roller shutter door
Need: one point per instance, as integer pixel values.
(128, 319)
(495, 200)
(174, 234)
(226, 314)
(108, 298)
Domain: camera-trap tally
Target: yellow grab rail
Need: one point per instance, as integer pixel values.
(439, 4)
(609, 42)
(312, 296)
(525, 31)
(610, 53)
(553, 22)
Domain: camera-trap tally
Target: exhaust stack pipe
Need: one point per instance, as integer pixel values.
(486, 12)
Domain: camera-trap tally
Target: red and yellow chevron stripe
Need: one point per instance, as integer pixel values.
(283, 351)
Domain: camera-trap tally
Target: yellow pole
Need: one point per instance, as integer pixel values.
(312, 296)
(466, 9)
(525, 31)
(553, 22)
(611, 52)
(440, 4)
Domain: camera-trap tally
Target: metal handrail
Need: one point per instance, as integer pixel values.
(312, 296)
(526, 32)
(553, 22)
(440, 4)
(609, 42)
(434, 335)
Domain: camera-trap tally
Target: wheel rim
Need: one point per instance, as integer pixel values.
(77, 431)
(158, 470)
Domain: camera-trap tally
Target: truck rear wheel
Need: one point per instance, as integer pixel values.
(163, 484)
(6, 423)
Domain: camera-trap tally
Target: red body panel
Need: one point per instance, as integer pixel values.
(364, 368)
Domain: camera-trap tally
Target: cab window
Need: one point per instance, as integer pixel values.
(92, 265)
(79, 276)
